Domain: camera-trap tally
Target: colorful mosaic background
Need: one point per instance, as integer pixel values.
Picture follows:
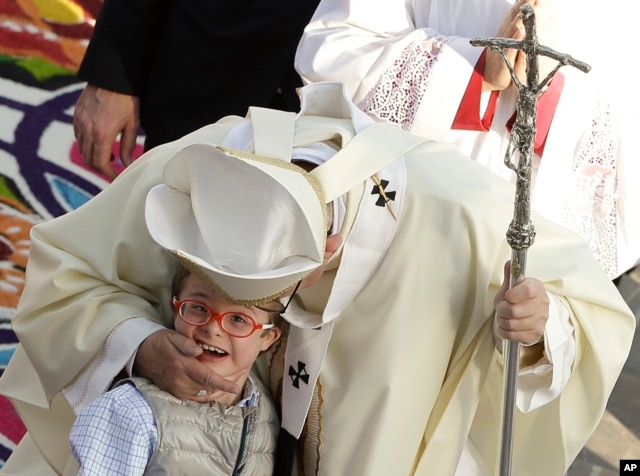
(42, 175)
(41, 172)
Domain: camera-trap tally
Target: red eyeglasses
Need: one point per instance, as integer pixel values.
(236, 324)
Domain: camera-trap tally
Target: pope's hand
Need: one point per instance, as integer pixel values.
(522, 311)
(168, 359)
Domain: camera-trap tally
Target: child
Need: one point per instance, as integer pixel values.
(137, 427)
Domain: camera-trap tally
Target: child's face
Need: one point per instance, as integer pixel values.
(223, 353)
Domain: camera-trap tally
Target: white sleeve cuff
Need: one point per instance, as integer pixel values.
(118, 352)
(544, 381)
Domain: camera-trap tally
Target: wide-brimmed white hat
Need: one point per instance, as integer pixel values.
(251, 227)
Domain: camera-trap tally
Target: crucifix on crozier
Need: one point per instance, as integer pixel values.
(521, 232)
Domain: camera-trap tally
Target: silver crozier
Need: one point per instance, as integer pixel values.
(521, 232)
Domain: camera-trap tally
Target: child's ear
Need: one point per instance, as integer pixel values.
(174, 309)
(273, 335)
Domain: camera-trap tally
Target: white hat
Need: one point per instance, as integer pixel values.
(249, 226)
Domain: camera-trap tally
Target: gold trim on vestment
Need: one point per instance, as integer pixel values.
(197, 269)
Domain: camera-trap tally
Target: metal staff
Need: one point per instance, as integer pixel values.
(521, 232)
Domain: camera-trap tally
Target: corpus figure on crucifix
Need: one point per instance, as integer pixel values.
(524, 128)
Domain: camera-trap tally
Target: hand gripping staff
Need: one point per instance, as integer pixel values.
(521, 232)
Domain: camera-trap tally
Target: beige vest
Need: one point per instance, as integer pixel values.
(196, 438)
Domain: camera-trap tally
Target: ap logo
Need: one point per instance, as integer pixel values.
(629, 466)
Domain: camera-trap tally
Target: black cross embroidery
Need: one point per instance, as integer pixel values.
(300, 374)
(385, 196)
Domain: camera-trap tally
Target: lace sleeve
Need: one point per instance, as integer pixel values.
(590, 209)
(397, 96)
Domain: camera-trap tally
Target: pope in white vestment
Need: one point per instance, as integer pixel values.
(391, 364)
(410, 63)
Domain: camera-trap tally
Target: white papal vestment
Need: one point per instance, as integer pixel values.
(411, 371)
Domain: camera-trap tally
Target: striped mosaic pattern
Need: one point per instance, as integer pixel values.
(41, 172)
